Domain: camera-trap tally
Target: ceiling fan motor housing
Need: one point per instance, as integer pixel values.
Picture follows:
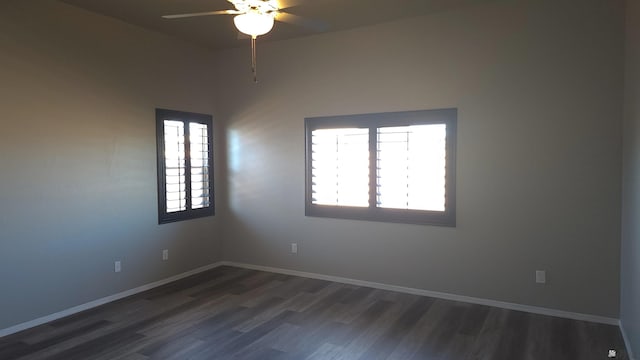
(267, 7)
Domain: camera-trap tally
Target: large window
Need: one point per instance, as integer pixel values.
(395, 167)
(185, 165)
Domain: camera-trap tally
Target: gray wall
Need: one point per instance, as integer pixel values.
(538, 85)
(630, 270)
(77, 157)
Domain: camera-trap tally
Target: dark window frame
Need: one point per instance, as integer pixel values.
(185, 117)
(372, 122)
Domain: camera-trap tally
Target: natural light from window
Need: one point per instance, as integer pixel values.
(412, 167)
(340, 167)
(174, 157)
(175, 164)
(410, 173)
(199, 165)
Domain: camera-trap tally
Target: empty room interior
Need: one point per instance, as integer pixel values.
(357, 179)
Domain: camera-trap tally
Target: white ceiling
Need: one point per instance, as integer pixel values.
(218, 32)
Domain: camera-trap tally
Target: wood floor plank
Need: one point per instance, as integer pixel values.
(538, 338)
(133, 356)
(367, 329)
(244, 340)
(514, 334)
(399, 328)
(14, 350)
(414, 339)
(440, 337)
(326, 351)
(229, 313)
(488, 339)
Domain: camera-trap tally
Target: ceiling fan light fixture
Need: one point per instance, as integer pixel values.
(254, 23)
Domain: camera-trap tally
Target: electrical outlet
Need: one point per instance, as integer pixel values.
(294, 248)
(117, 266)
(165, 254)
(541, 277)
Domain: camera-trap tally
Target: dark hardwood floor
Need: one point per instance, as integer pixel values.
(231, 313)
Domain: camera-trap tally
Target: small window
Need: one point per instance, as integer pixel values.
(185, 165)
(395, 167)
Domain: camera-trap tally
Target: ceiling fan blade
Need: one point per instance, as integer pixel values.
(315, 25)
(207, 13)
(284, 4)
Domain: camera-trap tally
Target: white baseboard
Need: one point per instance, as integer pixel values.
(435, 294)
(627, 342)
(102, 301)
(408, 290)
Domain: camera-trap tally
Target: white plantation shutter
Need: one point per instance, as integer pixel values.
(411, 167)
(185, 165)
(340, 167)
(199, 146)
(175, 164)
(392, 167)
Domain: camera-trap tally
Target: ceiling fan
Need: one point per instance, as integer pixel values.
(256, 17)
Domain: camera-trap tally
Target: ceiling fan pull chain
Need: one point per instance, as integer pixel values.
(254, 68)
